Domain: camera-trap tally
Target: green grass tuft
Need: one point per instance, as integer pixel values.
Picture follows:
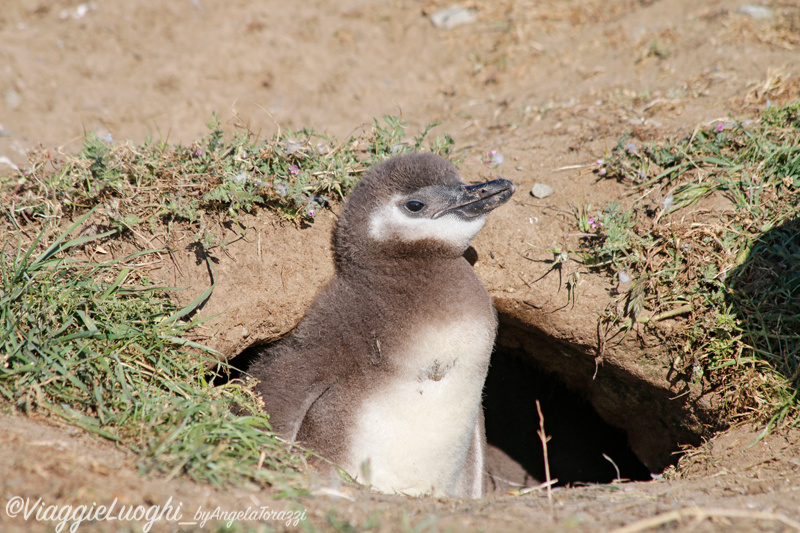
(712, 240)
(101, 346)
(98, 345)
(294, 174)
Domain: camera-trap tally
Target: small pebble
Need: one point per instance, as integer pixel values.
(78, 12)
(13, 99)
(448, 19)
(755, 11)
(624, 277)
(541, 190)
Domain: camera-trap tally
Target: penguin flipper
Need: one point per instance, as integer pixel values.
(288, 384)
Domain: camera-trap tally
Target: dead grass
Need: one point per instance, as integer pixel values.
(782, 30)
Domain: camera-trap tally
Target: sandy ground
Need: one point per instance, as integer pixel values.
(550, 85)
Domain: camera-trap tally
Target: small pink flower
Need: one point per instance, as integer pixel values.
(293, 169)
(494, 158)
(594, 223)
(720, 127)
(198, 152)
(311, 213)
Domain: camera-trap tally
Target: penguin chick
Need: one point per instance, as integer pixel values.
(384, 374)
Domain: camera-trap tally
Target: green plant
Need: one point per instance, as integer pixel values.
(294, 174)
(100, 346)
(731, 275)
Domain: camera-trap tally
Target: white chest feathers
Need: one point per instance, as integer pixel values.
(413, 433)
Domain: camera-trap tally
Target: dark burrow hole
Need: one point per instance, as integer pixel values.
(603, 422)
(582, 447)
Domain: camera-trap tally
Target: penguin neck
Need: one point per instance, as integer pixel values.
(403, 271)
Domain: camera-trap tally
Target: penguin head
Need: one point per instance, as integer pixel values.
(414, 205)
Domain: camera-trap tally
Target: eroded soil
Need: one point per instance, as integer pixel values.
(550, 85)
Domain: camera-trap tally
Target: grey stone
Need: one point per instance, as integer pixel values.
(454, 16)
(755, 11)
(541, 190)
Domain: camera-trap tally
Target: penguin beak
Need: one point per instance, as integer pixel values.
(471, 201)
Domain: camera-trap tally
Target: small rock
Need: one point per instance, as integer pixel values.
(454, 16)
(13, 99)
(755, 11)
(78, 12)
(541, 190)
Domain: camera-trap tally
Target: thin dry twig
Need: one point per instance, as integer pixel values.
(544, 438)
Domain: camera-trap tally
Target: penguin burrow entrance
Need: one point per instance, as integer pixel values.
(581, 445)
(604, 422)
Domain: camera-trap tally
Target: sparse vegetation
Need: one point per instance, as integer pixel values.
(731, 274)
(215, 179)
(100, 345)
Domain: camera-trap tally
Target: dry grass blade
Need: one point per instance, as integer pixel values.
(703, 514)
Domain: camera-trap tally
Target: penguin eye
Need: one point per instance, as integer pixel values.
(414, 206)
